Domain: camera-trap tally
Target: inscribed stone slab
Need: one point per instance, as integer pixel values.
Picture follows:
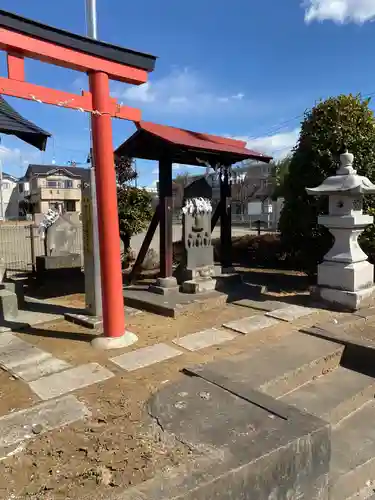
(290, 313)
(18, 426)
(57, 384)
(205, 338)
(251, 324)
(145, 356)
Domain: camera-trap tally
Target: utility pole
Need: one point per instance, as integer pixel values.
(93, 290)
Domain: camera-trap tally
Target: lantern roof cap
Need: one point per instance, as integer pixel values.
(346, 181)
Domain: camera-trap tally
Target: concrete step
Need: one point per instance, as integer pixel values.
(333, 396)
(353, 453)
(283, 366)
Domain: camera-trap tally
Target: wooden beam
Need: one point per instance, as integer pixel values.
(63, 99)
(215, 216)
(145, 246)
(16, 67)
(68, 58)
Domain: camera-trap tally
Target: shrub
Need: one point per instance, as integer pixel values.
(256, 251)
(340, 121)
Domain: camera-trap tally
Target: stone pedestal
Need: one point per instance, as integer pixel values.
(345, 277)
(165, 286)
(57, 262)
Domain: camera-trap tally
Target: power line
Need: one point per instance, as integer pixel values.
(280, 126)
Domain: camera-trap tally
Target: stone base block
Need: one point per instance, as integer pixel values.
(269, 450)
(198, 286)
(165, 286)
(346, 276)
(17, 288)
(8, 305)
(344, 300)
(57, 262)
(198, 273)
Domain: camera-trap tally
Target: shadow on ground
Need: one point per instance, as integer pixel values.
(51, 288)
(59, 334)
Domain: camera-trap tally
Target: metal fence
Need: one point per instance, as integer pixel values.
(20, 244)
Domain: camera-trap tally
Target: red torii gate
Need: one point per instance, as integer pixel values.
(20, 38)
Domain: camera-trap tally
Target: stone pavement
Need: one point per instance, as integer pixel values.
(304, 368)
(51, 379)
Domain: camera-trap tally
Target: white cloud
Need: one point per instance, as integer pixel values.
(176, 167)
(180, 91)
(278, 145)
(339, 11)
(11, 158)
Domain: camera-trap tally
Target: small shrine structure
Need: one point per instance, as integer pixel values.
(170, 145)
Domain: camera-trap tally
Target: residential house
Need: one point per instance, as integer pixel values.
(53, 186)
(9, 197)
(252, 184)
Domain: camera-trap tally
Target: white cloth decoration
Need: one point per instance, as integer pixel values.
(49, 218)
(195, 206)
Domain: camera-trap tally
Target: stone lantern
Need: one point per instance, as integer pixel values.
(345, 277)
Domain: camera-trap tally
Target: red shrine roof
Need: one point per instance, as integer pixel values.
(154, 142)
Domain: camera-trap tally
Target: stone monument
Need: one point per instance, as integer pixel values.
(198, 256)
(59, 234)
(345, 277)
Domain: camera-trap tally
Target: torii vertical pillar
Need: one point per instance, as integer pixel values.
(109, 235)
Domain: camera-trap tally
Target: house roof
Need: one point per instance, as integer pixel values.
(12, 123)
(9, 177)
(153, 142)
(44, 170)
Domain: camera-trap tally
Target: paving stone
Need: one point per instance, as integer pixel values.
(251, 324)
(290, 313)
(57, 384)
(33, 371)
(26, 361)
(29, 318)
(261, 305)
(18, 426)
(16, 351)
(205, 338)
(145, 356)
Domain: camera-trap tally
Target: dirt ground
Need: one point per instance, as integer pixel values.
(117, 446)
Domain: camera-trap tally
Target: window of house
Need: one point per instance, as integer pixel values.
(20, 187)
(6, 185)
(51, 184)
(70, 206)
(68, 184)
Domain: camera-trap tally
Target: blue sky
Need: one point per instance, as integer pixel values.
(245, 69)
